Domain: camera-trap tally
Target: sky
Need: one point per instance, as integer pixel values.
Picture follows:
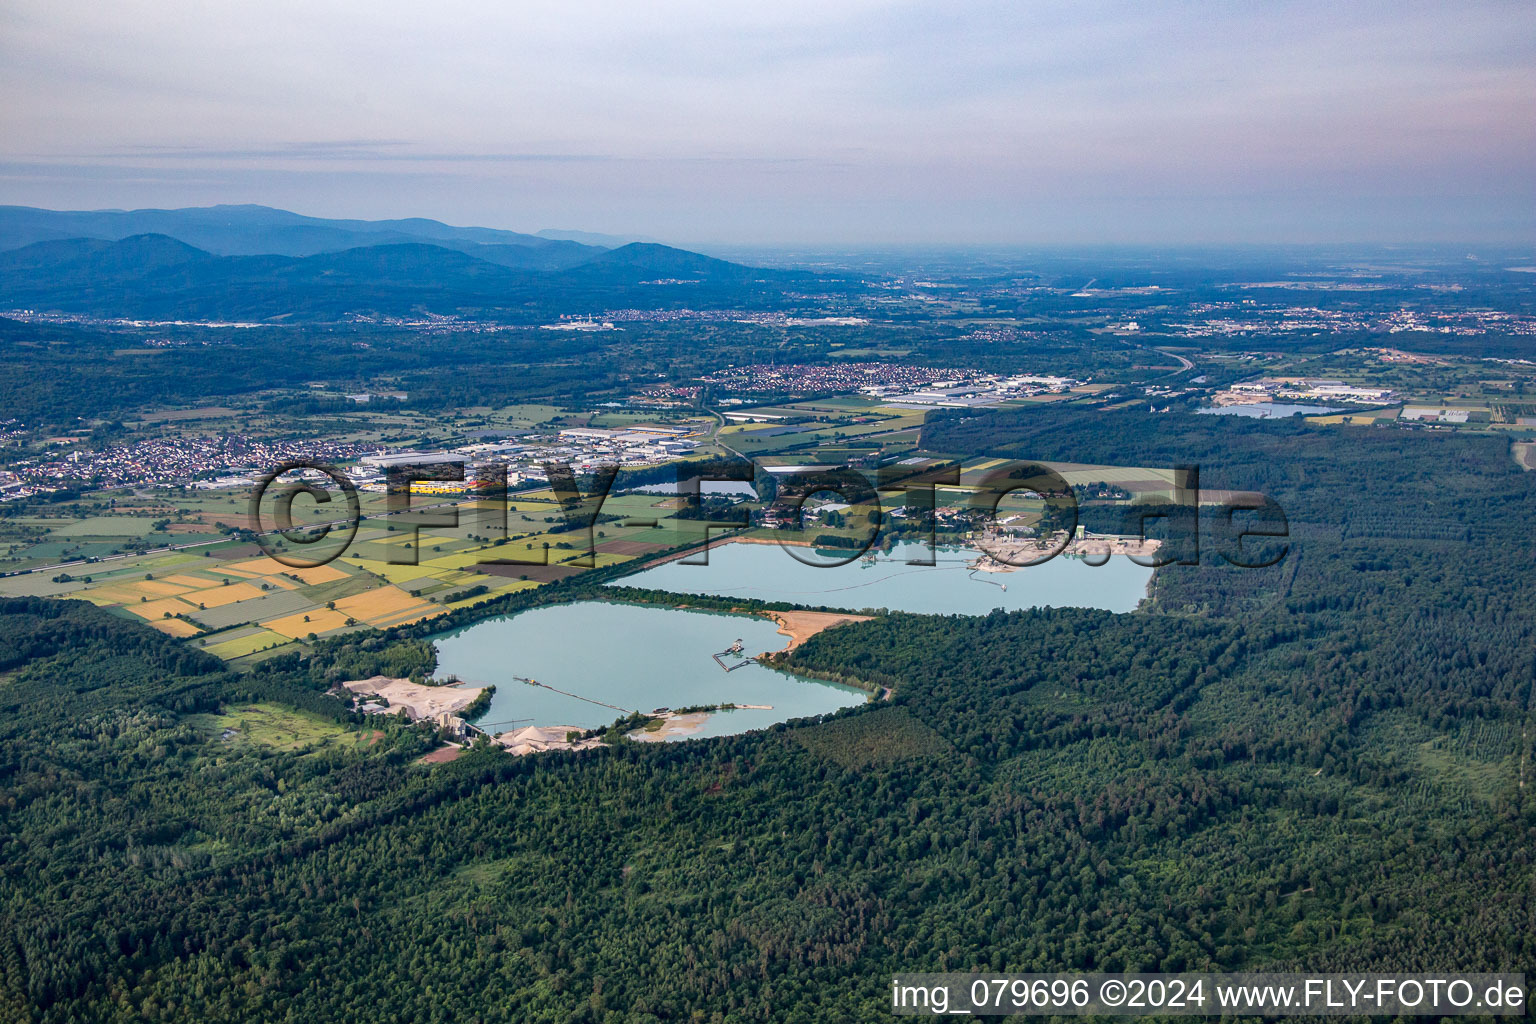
(792, 123)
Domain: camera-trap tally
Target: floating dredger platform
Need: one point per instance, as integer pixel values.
(735, 649)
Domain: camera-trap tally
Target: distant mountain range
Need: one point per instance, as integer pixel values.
(594, 238)
(263, 231)
(253, 262)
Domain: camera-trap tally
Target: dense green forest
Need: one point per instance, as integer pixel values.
(60, 373)
(1319, 764)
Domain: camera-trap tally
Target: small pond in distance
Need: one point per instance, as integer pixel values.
(1269, 410)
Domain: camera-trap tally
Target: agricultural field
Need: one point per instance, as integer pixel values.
(172, 557)
(1365, 419)
(764, 440)
(249, 643)
(226, 597)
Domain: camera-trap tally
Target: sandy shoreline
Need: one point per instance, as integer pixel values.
(767, 540)
(672, 726)
(801, 626)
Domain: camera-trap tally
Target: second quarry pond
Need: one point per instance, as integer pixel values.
(1268, 410)
(632, 657)
(770, 573)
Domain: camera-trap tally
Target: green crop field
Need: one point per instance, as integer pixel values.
(272, 726)
(248, 644)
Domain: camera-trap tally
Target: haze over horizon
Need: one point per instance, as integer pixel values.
(874, 124)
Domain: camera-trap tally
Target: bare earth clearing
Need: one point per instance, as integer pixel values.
(801, 626)
(536, 738)
(419, 701)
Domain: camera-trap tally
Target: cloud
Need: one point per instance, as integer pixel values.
(873, 115)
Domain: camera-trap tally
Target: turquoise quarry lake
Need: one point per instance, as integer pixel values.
(638, 657)
(771, 573)
(635, 657)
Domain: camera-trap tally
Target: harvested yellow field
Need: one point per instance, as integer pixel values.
(157, 609)
(280, 582)
(271, 567)
(175, 627)
(129, 591)
(387, 621)
(262, 566)
(316, 574)
(217, 597)
(157, 588)
(111, 593)
(383, 603)
(302, 624)
(195, 582)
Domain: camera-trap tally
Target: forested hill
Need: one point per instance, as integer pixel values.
(250, 267)
(1318, 766)
(250, 230)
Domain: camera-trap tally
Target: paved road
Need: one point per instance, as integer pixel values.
(715, 434)
(1187, 365)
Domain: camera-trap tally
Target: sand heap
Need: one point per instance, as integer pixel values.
(534, 739)
(420, 702)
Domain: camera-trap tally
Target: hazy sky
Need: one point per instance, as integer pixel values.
(791, 122)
